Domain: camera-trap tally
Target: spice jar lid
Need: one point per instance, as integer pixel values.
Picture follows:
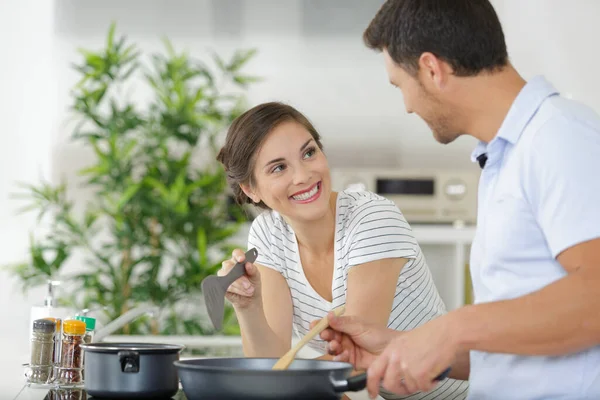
(57, 321)
(90, 323)
(44, 326)
(74, 327)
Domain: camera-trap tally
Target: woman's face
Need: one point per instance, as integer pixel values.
(291, 174)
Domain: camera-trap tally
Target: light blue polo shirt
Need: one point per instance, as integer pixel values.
(539, 194)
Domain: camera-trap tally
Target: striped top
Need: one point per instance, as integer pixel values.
(368, 228)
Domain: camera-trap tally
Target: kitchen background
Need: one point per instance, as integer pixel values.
(310, 54)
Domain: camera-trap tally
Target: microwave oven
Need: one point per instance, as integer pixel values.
(437, 196)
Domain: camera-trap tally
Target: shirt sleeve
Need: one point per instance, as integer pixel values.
(564, 175)
(378, 230)
(260, 237)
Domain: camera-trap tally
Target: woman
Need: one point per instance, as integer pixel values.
(317, 249)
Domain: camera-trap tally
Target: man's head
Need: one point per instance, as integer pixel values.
(432, 47)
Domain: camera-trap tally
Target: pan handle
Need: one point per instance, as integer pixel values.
(353, 384)
(359, 382)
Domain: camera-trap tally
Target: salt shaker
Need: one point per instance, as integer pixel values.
(57, 342)
(42, 347)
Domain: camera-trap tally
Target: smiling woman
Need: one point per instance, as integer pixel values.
(317, 249)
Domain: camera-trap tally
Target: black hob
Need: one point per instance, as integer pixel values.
(80, 394)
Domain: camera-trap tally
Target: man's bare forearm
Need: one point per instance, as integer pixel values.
(562, 318)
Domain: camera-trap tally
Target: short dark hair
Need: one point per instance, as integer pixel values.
(466, 34)
(245, 137)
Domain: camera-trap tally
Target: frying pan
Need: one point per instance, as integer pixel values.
(254, 379)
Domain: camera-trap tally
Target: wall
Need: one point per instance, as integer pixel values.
(311, 59)
(27, 113)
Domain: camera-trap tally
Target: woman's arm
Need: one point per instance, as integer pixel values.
(371, 288)
(266, 324)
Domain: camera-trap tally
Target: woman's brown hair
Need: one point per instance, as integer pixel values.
(245, 137)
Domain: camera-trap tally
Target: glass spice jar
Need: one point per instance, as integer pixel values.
(90, 325)
(57, 340)
(42, 347)
(71, 359)
(66, 394)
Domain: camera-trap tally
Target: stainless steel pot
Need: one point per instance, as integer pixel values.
(253, 379)
(131, 370)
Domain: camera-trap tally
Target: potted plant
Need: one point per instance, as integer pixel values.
(160, 220)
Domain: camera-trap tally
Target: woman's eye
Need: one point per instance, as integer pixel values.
(278, 168)
(309, 153)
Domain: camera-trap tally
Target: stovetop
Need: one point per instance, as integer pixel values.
(80, 394)
(37, 393)
(33, 393)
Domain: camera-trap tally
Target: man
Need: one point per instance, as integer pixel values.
(534, 332)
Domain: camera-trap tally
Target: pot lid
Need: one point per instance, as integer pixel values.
(142, 348)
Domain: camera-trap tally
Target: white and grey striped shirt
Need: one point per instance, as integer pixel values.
(368, 228)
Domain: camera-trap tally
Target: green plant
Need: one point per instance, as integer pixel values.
(160, 221)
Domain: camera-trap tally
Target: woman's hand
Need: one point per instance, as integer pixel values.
(245, 291)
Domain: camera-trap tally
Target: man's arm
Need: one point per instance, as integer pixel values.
(562, 318)
(563, 189)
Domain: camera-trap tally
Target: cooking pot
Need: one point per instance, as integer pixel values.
(253, 379)
(131, 370)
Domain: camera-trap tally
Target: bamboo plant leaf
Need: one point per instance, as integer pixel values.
(157, 223)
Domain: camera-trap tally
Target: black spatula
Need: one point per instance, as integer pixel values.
(214, 289)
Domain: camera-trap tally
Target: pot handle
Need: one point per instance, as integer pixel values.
(130, 361)
(359, 382)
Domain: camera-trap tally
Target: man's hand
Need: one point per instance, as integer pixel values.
(351, 340)
(413, 359)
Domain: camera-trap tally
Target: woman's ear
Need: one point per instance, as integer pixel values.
(250, 193)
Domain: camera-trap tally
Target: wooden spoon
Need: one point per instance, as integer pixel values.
(285, 361)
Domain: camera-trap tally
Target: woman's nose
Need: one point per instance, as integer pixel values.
(301, 175)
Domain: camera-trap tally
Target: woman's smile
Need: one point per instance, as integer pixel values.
(307, 196)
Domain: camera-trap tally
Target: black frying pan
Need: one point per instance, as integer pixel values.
(253, 379)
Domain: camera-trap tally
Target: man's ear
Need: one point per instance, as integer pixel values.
(250, 193)
(434, 71)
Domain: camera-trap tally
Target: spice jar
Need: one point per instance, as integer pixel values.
(71, 357)
(66, 394)
(90, 325)
(42, 346)
(57, 339)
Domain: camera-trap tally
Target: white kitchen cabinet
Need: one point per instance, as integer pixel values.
(447, 250)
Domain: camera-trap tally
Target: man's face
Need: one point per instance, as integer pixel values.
(427, 104)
